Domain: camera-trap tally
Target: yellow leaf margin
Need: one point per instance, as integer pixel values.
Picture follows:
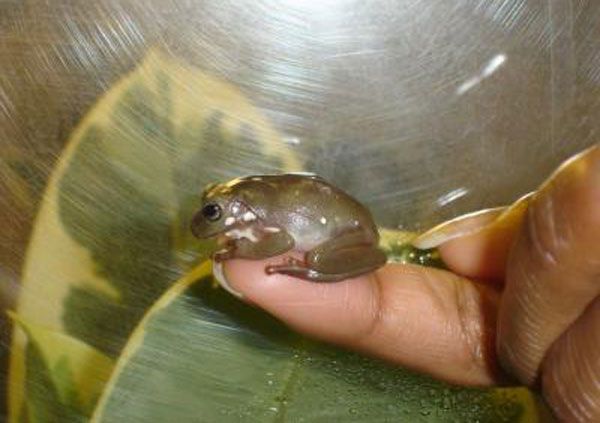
(48, 275)
(137, 337)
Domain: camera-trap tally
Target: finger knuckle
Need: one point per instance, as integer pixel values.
(574, 401)
(571, 370)
(476, 332)
(545, 232)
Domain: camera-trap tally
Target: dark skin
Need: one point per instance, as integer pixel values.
(532, 317)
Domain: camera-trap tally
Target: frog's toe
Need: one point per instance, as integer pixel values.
(283, 268)
(303, 272)
(293, 262)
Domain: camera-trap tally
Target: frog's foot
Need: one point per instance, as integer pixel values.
(294, 262)
(300, 270)
(345, 257)
(297, 270)
(290, 266)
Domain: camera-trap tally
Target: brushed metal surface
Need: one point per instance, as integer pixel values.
(424, 109)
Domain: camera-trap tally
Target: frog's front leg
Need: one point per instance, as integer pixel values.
(264, 246)
(226, 252)
(346, 256)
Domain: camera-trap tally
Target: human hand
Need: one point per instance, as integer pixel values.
(523, 296)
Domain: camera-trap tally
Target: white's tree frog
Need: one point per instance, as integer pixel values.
(257, 217)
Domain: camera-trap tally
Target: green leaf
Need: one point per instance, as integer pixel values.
(91, 190)
(64, 376)
(112, 232)
(201, 355)
(43, 401)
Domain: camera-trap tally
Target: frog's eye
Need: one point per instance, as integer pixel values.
(212, 212)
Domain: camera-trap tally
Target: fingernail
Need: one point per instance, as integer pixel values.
(471, 223)
(466, 224)
(219, 275)
(515, 211)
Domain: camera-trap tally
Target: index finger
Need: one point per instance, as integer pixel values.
(425, 319)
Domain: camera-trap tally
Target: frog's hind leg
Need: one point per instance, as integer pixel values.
(342, 262)
(343, 257)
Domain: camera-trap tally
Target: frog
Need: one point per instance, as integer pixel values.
(257, 217)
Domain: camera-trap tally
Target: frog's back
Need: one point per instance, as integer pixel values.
(286, 186)
(312, 207)
(298, 188)
(278, 179)
(301, 189)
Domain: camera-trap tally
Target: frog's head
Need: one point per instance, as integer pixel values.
(219, 210)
